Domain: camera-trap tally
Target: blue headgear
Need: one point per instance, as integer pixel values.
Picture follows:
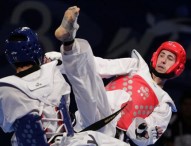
(23, 46)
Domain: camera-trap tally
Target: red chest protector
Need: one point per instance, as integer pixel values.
(142, 102)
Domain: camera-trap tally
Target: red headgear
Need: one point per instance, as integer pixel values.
(180, 53)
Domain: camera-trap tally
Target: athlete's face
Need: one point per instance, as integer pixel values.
(165, 60)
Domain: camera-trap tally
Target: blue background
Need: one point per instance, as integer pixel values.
(113, 29)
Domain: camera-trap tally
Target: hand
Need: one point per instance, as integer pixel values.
(50, 56)
(159, 132)
(67, 30)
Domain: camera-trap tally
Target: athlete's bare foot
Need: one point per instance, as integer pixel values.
(67, 30)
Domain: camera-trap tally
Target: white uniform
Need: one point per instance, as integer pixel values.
(39, 91)
(81, 71)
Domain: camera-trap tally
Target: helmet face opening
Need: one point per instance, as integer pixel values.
(176, 49)
(23, 46)
(17, 38)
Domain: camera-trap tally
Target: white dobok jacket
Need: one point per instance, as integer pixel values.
(39, 92)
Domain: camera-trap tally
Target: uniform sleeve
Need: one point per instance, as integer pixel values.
(107, 68)
(162, 113)
(159, 117)
(87, 85)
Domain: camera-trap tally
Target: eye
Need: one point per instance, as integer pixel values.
(161, 55)
(171, 58)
